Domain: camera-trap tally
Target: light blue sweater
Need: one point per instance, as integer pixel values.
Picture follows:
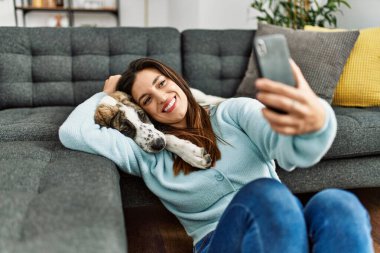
(199, 199)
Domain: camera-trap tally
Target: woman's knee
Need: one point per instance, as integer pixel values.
(265, 209)
(339, 222)
(263, 188)
(267, 194)
(336, 204)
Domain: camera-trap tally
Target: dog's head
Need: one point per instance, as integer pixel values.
(118, 111)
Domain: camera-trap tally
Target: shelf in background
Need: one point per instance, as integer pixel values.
(31, 8)
(70, 10)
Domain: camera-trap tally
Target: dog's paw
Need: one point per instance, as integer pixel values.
(190, 153)
(208, 160)
(189, 147)
(198, 158)
(200, 162)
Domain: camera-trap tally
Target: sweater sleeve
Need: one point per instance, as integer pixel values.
(289, 151)
(79, 132)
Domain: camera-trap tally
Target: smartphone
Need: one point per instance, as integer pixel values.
(272, 57)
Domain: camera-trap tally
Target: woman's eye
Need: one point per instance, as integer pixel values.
(162, 83)
(147, 100)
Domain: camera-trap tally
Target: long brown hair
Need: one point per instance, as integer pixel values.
(199, 129)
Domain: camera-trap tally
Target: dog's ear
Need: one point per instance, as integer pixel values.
(127, 100)
(104, 114)
(129, 97)
(118, 95)
(122, 97)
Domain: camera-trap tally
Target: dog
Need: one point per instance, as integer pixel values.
(119, 112)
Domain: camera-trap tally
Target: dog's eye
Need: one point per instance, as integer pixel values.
(129, 132)
(128, 129)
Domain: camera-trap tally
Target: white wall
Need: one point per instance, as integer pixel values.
(7, 16)
(132, 13)
(228, 14)
(363, 13)
(211, 14)
(185, 14)
(158, 13)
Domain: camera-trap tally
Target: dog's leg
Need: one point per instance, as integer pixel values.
(189, 152)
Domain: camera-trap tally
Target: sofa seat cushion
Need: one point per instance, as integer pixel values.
(30, 124)
(358, 132)
(57, 200)
(349, 173)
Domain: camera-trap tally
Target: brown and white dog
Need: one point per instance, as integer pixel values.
(119, 112)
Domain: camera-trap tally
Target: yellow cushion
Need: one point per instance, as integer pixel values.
(359, 83)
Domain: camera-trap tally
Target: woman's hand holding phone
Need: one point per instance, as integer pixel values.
(304, 112)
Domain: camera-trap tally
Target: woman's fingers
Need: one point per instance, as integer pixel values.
(298, 76)
(283, 103)
(111, 83)
(304, 111)
(285, 130)
(281, 119)
(272, 87)
(287, 124)
(296, 121)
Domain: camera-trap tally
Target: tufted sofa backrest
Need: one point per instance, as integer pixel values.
(65, 66)
(215, 61)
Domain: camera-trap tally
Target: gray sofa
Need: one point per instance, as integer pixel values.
(57, 200)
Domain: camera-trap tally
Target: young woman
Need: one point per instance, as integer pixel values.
(238, 204)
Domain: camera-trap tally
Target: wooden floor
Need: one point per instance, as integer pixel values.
(155, 230)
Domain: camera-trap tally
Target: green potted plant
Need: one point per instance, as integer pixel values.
(298, 13)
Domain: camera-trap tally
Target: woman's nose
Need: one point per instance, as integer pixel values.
(162, 97)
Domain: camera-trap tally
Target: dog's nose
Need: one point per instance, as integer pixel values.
(158, 144)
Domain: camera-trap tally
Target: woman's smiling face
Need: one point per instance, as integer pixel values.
(160, 97)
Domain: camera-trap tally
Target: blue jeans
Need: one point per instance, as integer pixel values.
(265, 216)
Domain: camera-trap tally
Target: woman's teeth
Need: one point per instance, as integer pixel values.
(169, 106)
